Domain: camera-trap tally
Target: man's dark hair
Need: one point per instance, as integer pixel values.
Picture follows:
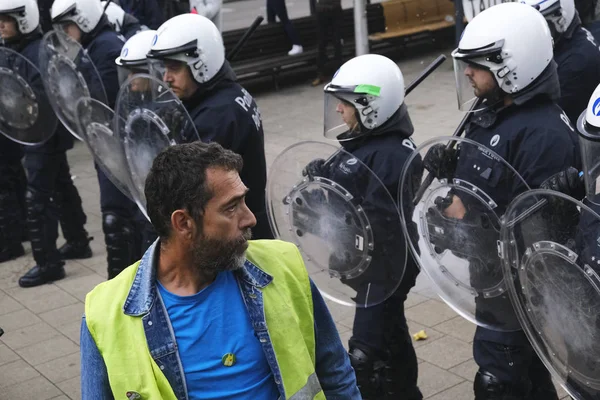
(177, 180)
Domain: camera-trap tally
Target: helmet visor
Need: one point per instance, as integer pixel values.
(589, 143)
(466, 89)
(341, 120)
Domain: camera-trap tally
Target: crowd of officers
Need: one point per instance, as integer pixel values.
(530, 102)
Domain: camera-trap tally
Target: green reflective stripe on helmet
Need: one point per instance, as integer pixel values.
(368, 89)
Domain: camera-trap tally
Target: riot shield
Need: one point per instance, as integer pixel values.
(149, 118)
(457, 223)
(96, 127)
(68, 75)
(342, 218)
(26, 116)
(552, 263)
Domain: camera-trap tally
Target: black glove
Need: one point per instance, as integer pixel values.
(441, 161)
(568, 182)
(314, 168)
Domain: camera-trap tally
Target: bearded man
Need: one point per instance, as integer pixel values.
(207, 313)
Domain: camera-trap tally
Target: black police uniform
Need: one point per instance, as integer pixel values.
(50, 196)
(537, 139)
(578, 57)
(381, 350)
(119, 213)
(12, 200)
(148, 12)
(224, 112)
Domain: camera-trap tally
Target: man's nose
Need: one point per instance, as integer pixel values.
(248, 220)
(339, 108)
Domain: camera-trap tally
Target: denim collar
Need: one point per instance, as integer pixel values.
(142, 293)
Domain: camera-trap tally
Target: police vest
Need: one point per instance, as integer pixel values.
(288, 311)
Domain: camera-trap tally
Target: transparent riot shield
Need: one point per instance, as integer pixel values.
(342, 218)
(68, 75)
(552, 263)
(26, 115)
(149, 118)
(457, 222)
(96, 127)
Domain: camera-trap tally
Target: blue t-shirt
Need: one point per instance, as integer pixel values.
(213, 329)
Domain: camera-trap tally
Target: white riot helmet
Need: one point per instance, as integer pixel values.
(373, 85)
(115, 15)
(559, 13)
(84, 13)
(25, 12)
(133, 55)
(512, 41)
(194, 40)
(588, 126)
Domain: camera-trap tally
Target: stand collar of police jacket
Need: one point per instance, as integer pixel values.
(563, 38)
(103, 25)
(398, 124)
(19, 43)
(225, 75)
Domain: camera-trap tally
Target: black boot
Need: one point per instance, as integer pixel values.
(43, 231)
(76, 250)
(119, 235)
(37, 275)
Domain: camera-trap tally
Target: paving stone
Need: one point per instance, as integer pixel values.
(462, 391)
(18, 319)
(445, 352)
(48, 350)
(16, 372)
(71, 387)
(37, 388)
(79, 287)
(7, 355)
(71, 330)
(459, 328)
(24, 337)
(432, 334)
(433, 380)
(42, 298)
(430, 313)
(8, 305)
(467, 370)
(413, 299)
(61, 369)
(64, 315)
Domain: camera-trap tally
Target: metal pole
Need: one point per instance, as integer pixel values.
(361, 33)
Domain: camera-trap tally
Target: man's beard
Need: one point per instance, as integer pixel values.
(212, 256)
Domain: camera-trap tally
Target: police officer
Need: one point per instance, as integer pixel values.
(50, 190)
(84, 21)
(190, 48)
(148, 12)
(123, 23)
(575, 51)
(373, 125)
(513, 73)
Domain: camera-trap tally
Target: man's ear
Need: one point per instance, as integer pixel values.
(183, 224)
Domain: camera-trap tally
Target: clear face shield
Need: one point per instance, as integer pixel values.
(474, 80)
(589, 143)
(341, 120)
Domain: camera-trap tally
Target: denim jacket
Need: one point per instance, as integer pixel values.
(333, 368)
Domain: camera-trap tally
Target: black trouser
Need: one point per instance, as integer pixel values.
(328, 28)
(518, 372)
(51, 197)
(12, 197)
(383, 332)
(276, 8)
(119, 221)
